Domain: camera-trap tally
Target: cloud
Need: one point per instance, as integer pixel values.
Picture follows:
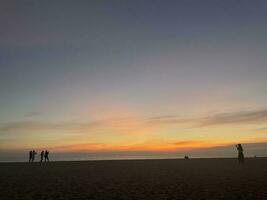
(182, 143)
(36, 125)
(243, 117)
(31, 114)
(261, 129)
(134, 125)
(120, 124)
(161, 120)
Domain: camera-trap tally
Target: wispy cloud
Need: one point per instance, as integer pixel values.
(243, 117)
(164, 120)
(31, 114)
(261, 129)
(34, 125)
(128, 124)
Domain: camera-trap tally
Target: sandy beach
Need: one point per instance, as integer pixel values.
(135, 179)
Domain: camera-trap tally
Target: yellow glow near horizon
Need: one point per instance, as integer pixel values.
(127, 130)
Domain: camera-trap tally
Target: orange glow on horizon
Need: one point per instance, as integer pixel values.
(153, 146)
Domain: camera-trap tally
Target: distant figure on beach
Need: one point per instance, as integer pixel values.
(30, 156)
(240, 153)
(42, 156)
(46, 155)
(33, 155)
(186, 157)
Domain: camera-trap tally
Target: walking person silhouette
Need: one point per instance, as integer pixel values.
(30, 156)
(240, 153)
(42, 156)
(46, 155)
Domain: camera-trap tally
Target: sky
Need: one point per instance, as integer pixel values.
(132, 78)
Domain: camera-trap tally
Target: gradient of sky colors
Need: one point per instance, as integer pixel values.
(132, 76)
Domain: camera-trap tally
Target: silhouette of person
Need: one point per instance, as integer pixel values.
(46, 155)
(240, 153)
(186, 157)
(33, 155)
(30, 156)
(42, 156)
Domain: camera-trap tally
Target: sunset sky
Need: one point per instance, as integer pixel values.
(133, 76)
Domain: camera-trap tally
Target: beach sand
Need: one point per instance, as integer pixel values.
(135, 179)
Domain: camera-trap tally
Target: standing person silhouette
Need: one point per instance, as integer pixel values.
(42, 156)
(33, 155)
(46, 155)
(240, 153)
(30, 156)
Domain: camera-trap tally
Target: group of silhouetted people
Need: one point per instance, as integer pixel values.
(43, 156)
